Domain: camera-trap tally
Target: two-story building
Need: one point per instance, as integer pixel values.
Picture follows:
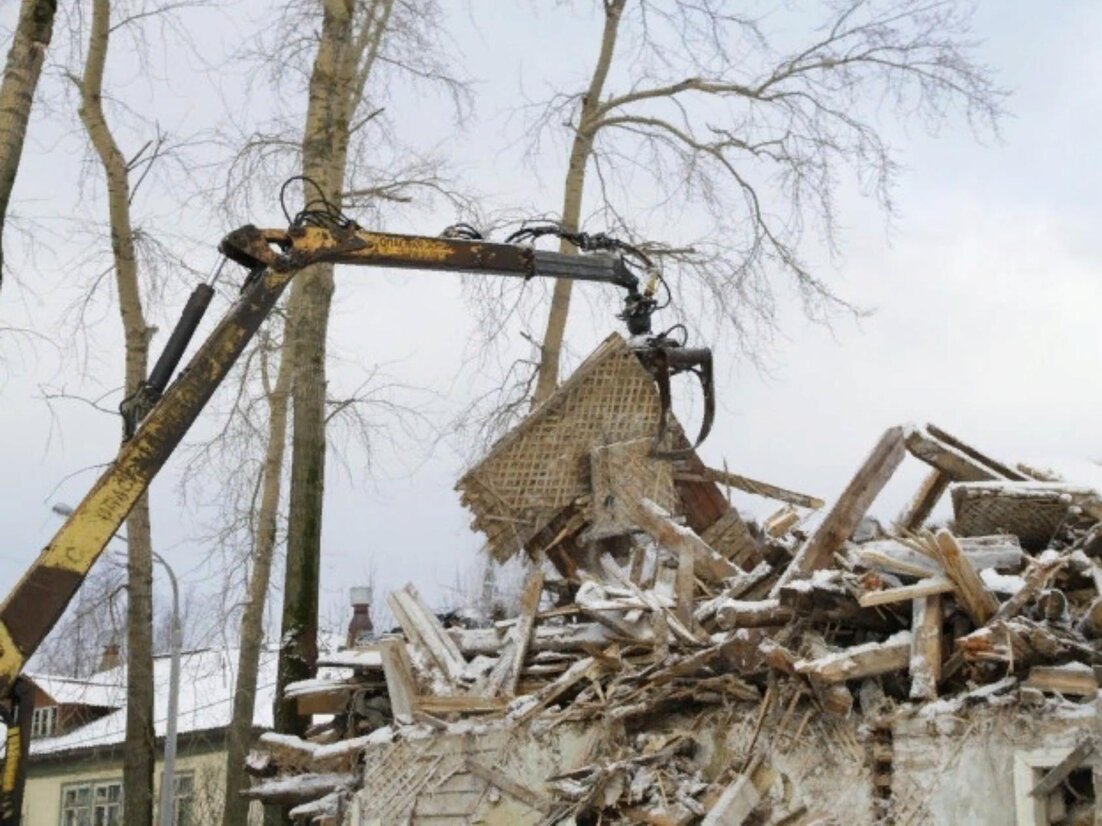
(75, 771)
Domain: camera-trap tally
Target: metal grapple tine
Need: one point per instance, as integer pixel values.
(664, 362)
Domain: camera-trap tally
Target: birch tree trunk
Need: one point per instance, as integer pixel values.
(139, 747)
(239, 735)
(21, 72)
(573, 188)
(346, 54)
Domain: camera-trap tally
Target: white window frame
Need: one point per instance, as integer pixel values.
(44, 721)
(176, 796)
(1029, 768)
(93, 786)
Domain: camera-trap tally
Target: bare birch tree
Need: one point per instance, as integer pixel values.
(26, 55)
(754, 125)
(347, 148)
(239, 735)
(138, 758)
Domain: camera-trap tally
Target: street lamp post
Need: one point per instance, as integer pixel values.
(168, 775)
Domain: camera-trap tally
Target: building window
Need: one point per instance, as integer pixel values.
(92, 804)
(43, 721)
(185, 789)
(1068, 801)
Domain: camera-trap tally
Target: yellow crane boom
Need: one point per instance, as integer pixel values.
(166, 412)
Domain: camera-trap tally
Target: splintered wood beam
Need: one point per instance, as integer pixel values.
(1003, 553)
(657, 524)
(926, 652)
(461, 704)
(918, 511)
(761, 613)
(400, 685)
(685, 587)
(580, 670)
(1005, 471)
(1066, 679)
(522, 632)
(959, 461)
(859, 661)
(849, 510)
(1062, 770)
(301, 788)
(679, 630)
(425, 631)
(979, 603)
(748, 485)
(924, 588)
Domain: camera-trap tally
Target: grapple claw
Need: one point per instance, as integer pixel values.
(664, 361)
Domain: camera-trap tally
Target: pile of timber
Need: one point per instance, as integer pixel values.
(695, 609)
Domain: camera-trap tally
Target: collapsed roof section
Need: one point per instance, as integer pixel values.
(677, 666)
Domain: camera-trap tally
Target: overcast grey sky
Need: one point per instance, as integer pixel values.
(985, 292)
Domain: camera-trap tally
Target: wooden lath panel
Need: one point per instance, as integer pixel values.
(542, 465)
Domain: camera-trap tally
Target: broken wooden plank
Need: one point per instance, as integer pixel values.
(748, 485)
(1062, 770)
(959, 466)
(522, 633)
(579, 671)
(296, 789)
(1003, 470)
(850, 508)
(858, 661)
(685, 588)
(461, 704)
(288, 751)
(656, 523)
(652, 602)
(1072, 678)
(576, 637)
(400, 685)
(424, 630)
(429, 720)
(923, 588)
(321, 696)
(733, 613)
(973, 596)
(1001, 552)
(515, 790)
(926, 651)
(918, 511)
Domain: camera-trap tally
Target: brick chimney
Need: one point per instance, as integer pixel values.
(359, 627)
(110, 657)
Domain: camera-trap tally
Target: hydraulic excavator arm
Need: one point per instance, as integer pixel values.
(157, 417)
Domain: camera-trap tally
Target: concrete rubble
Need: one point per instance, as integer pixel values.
(672, 663)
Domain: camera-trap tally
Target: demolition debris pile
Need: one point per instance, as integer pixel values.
(652, 604)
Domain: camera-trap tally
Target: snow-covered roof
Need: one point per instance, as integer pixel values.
(71, 691)
(205, 701)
